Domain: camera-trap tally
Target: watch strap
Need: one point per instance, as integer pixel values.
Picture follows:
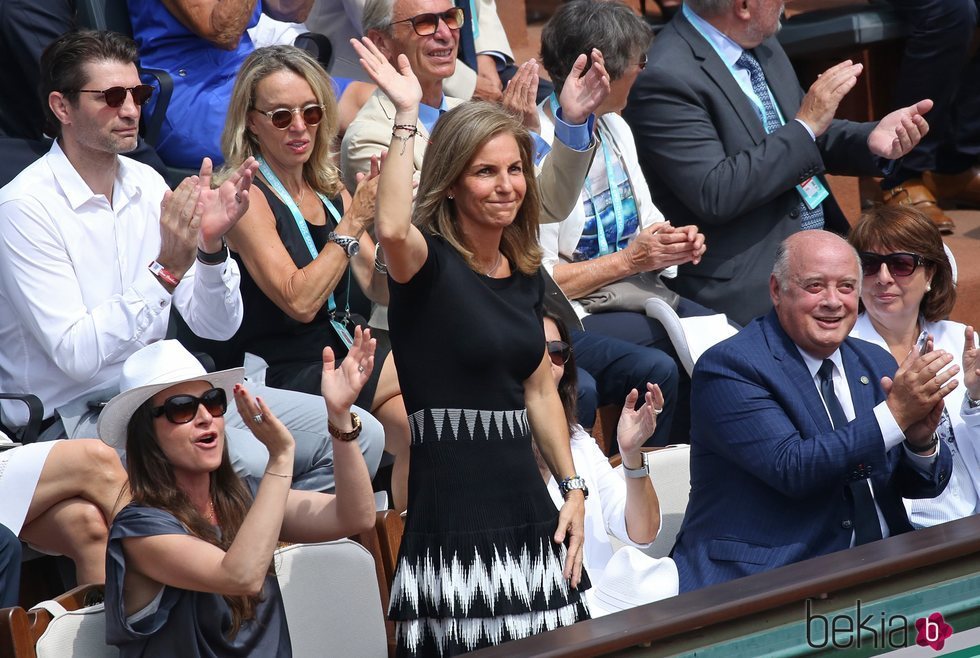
(216, 258)
(337, 434)
(641, 472)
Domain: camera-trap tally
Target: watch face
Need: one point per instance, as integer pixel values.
(354, 248)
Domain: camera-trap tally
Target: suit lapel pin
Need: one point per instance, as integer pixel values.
(864, 379)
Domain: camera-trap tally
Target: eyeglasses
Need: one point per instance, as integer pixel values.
(559, 351)
(643, 61)
(426, 24)
(900, 263)
(181, 409)
(116, 96)
(312, 115)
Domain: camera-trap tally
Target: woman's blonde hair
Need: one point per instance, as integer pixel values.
(458, 135)
(238, 142)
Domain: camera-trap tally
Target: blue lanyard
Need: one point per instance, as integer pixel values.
(276, 184)
(617, 199)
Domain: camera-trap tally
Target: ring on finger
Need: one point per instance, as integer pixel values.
(657, 412)
(258, 418)
(360, 368)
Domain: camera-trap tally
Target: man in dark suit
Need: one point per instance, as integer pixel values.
(727, 140)
(804, 441)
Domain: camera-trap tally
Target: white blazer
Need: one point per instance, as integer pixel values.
(964, 482)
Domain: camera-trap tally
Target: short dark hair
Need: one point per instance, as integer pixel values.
(579, 26)
(903, 228)
(63, 62)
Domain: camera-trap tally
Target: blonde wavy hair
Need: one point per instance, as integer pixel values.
(458, 135)
(238, 142)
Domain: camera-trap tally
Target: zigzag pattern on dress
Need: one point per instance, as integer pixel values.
(468, 424)
(471, 633)
(448, 583)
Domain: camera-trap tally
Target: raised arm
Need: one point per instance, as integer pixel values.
(550, 432)
(221, 22)
(404, 246)
(312, 516)
(635, 425)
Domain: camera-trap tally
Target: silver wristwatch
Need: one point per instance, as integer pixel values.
(572, 483)
(641, 472)
(350, 245)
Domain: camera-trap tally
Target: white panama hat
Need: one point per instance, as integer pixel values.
(632, 578)
(145, 373)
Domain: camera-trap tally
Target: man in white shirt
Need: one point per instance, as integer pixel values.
(95, 251)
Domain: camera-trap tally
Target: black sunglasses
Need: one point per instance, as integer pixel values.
(426, 24)
(116, 96)
(312, 115)
(559, 351)
(643, 61)
(900, 263)
(181, 409)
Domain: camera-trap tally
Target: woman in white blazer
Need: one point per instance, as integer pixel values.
(908, 290)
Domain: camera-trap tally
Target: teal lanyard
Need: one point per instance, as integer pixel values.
(617, 199)
(304, 230)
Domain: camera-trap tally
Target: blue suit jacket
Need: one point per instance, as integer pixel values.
(769, 472)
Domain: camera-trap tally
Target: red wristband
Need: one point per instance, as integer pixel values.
(163, 274)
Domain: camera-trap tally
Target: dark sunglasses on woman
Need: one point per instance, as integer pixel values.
(426, 24)
(180, 409)
(559, 351)
(281, 118)
(116, 96)
(900, 263)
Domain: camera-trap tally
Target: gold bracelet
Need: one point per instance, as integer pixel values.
(278, 475)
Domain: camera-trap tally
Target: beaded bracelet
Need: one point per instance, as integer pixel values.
(412, 132)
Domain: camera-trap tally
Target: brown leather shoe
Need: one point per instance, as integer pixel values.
(962, 188)
(913, 192)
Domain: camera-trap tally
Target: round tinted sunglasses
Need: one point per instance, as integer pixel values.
(900, 263)
(116, 96)
(559, 351)
(426, 24)
(281, 118)
(180, 409)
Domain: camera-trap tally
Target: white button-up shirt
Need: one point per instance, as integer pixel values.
(76, 297)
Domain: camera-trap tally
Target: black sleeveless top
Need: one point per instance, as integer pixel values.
(266, 329)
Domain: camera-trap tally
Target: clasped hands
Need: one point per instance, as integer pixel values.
(922, 381)
(663, 245)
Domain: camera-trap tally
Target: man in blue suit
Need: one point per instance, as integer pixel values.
(804, 441)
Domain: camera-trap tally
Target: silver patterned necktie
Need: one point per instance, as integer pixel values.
(810, 219)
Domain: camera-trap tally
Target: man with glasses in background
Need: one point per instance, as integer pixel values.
(95, 251)
(427, 32)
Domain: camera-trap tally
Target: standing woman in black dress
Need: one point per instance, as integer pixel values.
(483, 559)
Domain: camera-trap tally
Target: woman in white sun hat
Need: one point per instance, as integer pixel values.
(189, 566)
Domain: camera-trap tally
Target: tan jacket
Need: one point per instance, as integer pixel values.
(560, 179)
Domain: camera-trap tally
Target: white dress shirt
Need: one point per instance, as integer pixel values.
(76, 297)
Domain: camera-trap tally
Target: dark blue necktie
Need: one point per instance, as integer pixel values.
(467, 45)
(867, 527)
(810, 219)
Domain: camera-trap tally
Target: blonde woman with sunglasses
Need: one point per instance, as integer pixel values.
(308, 265)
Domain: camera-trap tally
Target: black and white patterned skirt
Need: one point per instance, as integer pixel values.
(477, 565)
